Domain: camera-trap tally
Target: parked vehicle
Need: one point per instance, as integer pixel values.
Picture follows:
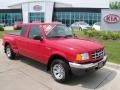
(80, 25)
(54, 45)
(18, 25)
(96, 26)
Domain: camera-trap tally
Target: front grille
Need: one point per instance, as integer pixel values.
(98, 54)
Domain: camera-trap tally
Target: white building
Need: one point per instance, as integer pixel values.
(65, 11)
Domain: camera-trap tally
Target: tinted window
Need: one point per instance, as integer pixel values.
(24, 30)
(60, 31)
(34, 31)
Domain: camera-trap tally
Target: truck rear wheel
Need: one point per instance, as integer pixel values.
(60, 71)
(9, 52)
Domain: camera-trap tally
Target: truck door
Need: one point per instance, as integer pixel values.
(21, 41)
(36, 48)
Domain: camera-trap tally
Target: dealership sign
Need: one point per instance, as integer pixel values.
(112, 18)
(37, 8)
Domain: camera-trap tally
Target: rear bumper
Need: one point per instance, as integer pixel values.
(79, 69)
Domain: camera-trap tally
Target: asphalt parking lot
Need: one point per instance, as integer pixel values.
(26, 74)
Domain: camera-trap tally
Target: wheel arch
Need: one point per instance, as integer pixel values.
(53, 57)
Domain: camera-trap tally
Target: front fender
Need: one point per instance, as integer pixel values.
(66, 56)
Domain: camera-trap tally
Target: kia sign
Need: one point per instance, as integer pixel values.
(112, 18)
(37, 8)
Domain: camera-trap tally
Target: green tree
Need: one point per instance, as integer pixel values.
(115, 5)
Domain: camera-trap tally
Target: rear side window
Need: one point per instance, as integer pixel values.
(24, 30)
(34, 31)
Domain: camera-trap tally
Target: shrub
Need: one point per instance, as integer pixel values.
(90, 33)
(97, 33)
(104, 35)
(85, 32)
(115, 36)
(1, 29)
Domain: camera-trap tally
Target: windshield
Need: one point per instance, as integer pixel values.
(80, 23)
(98, 23)
(59, 31)
(83, 23)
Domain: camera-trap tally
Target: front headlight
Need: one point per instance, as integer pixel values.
(84, 56)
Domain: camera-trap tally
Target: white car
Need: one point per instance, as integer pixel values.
(80, 25)
(96, 26)
(2, 24)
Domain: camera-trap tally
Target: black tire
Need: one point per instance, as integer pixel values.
(9, 52)
(80, 29)
(72, 29)
(66, 70)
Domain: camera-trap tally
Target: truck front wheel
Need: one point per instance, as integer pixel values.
(60, 70)
(9, 52)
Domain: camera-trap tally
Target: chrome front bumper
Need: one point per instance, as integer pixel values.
(87, 66)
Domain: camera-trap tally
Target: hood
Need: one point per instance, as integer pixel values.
(79, 45)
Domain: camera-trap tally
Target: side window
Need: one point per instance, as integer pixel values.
(24, 30)
(34, 31)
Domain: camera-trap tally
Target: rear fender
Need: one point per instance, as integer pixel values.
(13, 45)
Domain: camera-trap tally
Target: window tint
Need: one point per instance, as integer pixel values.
(60, 31)
(34, 31)
(24, 30)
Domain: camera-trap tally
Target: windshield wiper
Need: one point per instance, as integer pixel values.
(55, 37)
(61, 36)
(68, 36)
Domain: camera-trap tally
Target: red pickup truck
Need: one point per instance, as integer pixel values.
(54, 45)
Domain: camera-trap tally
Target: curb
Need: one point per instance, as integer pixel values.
(113, 65)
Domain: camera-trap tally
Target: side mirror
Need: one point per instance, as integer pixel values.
(38, 38)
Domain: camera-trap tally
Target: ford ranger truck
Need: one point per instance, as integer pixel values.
(54, 45)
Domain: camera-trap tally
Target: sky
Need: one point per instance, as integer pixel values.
(5, 3)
